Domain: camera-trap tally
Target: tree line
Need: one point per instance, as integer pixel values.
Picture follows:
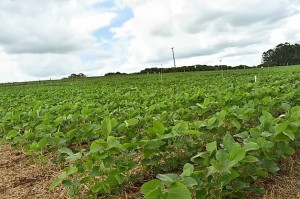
(75, 76)
(156, 70)
(282, 55)
(191, 69)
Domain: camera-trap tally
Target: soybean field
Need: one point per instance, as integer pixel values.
(157, 136)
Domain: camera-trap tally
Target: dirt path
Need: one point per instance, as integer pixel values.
(21, 179)
(286, 183)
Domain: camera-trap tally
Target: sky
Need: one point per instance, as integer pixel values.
(55, 38)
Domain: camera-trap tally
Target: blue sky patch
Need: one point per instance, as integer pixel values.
(109, 4)
(122, 16)
(88, 58)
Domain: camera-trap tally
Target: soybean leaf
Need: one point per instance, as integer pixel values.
(106, 127)
(270, 165)
(188, 169)
(211, 147)
(211, 121)
(189, 182)
(74, 157)
(71, 170)
(180, 128)
(152, 189)
(289, 133)
(66, 151)
(237, 154)
(158, 127)
(222, 155)
(132, 122)
(229, 143)
(42, 143)
(286, 107)
(280, 127)
(236, 123)
(58, 180)
(250, 158)
(168, 179)
(251, 146)
(178, 191)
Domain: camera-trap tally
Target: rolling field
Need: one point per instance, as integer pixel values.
(181, 135)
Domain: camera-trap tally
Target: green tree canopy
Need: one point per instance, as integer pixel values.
(282, 55)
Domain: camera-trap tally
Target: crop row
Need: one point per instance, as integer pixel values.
(223, 132)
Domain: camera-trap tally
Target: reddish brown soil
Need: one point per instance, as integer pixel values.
(20, 178)
(286, 183)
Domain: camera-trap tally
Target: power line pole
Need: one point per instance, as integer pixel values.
(173, 56)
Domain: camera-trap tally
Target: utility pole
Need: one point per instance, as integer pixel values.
(173, 56)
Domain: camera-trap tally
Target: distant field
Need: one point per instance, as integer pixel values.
(179, 135)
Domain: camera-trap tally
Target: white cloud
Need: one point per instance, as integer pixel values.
(48, 39)
(202, 31)
(9, 70)
(53, 38)
(49, 27)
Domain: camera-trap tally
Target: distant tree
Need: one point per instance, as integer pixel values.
(117, 73)
(80, 75)
(190, 69)
(282, 55)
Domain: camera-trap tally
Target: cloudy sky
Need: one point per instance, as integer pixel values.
(54, 38)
